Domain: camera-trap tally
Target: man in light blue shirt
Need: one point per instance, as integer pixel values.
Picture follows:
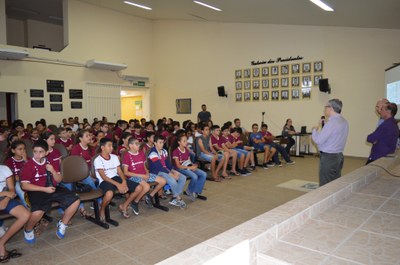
(331, 140)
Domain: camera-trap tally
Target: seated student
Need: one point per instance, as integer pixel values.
(287, 132)
(10, 206)
(83, 149)
(111, 178)
(123, 143)
(229, 144)
(16, 161)
(246, 150)
(218, 148)
(34, 135)
(159, 165)
(39, 179)
(120, 127)
(138, 134)
(64, 139)
(104, 127)
(269, 139)
(19, 130)
(258, 142)
(133, 164)
(148, 142)
(183, 164)
(204, 152)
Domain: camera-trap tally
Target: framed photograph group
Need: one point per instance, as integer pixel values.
(278, 82)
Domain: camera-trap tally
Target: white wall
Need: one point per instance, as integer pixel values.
(193, 58)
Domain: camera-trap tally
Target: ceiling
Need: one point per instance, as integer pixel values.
(348, 13)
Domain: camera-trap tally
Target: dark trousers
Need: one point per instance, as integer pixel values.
(289, 144)
(330, 167)
(279, 149)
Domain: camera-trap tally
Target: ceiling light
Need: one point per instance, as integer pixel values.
(212, 7)
(322, 5)
(137, 5)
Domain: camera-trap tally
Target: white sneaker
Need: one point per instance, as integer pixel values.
(61, 227)
(29, 237)
(3, 230)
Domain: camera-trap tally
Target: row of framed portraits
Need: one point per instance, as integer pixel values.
(282, 82)
(279, 70)
(274, 95)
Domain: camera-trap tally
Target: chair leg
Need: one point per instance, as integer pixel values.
(108, 218)
(96, 218)
(158, 205)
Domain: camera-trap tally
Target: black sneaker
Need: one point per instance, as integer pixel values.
(265, 166)
(271, 164)
(135, 208)
(244, 172)
(201, 197)
(290, 162)
(148, 200)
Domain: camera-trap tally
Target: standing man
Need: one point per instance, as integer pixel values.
(204, 115)
(384, 138)
(331, 140)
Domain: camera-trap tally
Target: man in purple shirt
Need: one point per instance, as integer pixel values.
(331, 140)
(384, 138)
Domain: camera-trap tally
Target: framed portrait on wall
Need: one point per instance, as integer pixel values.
(256, 84)
(318, 67)
(256, 72)
(265, 71)
(246, 96)
(275, 95)
(306, 81)
(256, 96)
(238, 97)
(295, 81)
(265, 95)
(274, 70)
(246, 73)
(238, 85)
(306, 67)
(284, 69)
(265, 83)
(285, 82)
(238, 74)
(247, 85)
(295, 69)
(295, 94)
(275, 82)
(316, 79)
(285, 94)
(306, 93)
(183, 106)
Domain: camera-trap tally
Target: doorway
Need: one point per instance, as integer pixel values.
(131, 107)
(8, 107)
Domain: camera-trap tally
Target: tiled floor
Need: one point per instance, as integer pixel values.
(363, 229)
(155, 235)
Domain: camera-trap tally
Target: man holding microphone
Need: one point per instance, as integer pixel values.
(331, 140)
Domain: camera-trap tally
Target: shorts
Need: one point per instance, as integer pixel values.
(11, 205)
(241, 152)
(107, 186)
(209, 158)
(152, 178)
(41, 201)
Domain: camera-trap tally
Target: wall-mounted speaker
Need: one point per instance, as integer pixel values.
(324, 85)
(221, 91)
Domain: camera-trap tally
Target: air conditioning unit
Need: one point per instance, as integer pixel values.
(105, 65)
(8, 54)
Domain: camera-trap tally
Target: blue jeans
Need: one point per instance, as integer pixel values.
(279, 149)
(176, 185)
(20, 193)
(89, 181)
(197, 179)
